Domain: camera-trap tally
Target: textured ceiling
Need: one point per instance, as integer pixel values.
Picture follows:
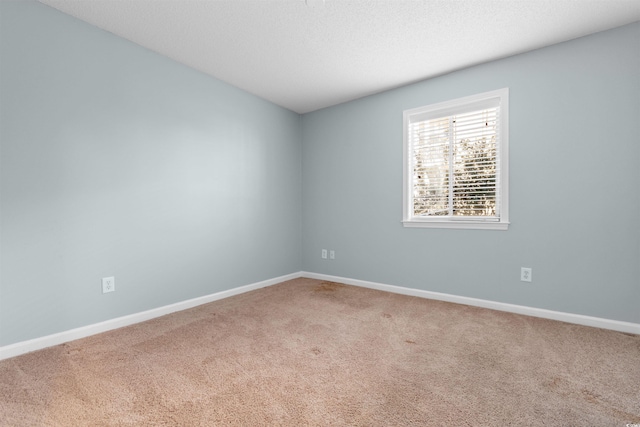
(308, 55)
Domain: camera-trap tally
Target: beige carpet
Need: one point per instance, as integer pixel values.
(307, 352)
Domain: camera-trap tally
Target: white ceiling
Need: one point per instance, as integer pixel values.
(307, 55)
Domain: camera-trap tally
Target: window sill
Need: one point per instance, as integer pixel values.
(472, 225)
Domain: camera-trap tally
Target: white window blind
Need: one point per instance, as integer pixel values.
(455, 162)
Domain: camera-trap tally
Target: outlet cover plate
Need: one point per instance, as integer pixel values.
(525, 274)
(108, 284)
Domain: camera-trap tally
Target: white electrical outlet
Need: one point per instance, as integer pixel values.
(332, 254)
(525, 274)
(324, 254)
(108, 284)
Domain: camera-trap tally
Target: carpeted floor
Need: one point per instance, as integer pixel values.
(307, 352)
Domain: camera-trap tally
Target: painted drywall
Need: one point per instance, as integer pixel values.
(574, 179)
(116, 161)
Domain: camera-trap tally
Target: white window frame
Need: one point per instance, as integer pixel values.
(449, 108)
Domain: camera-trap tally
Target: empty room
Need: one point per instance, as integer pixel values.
(319, 212)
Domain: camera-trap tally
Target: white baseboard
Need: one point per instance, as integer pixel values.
(23, 347)
(616, 325)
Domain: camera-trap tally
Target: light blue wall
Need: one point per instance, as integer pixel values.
(118, 161)
(575, 179)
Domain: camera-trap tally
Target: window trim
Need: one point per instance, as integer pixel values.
(444, 109)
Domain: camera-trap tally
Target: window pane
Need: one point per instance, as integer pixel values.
(431, 167)
(474, 172)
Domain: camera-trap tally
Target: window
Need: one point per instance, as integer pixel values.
(456, 163)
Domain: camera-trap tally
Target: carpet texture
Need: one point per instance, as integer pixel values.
(308, 352)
